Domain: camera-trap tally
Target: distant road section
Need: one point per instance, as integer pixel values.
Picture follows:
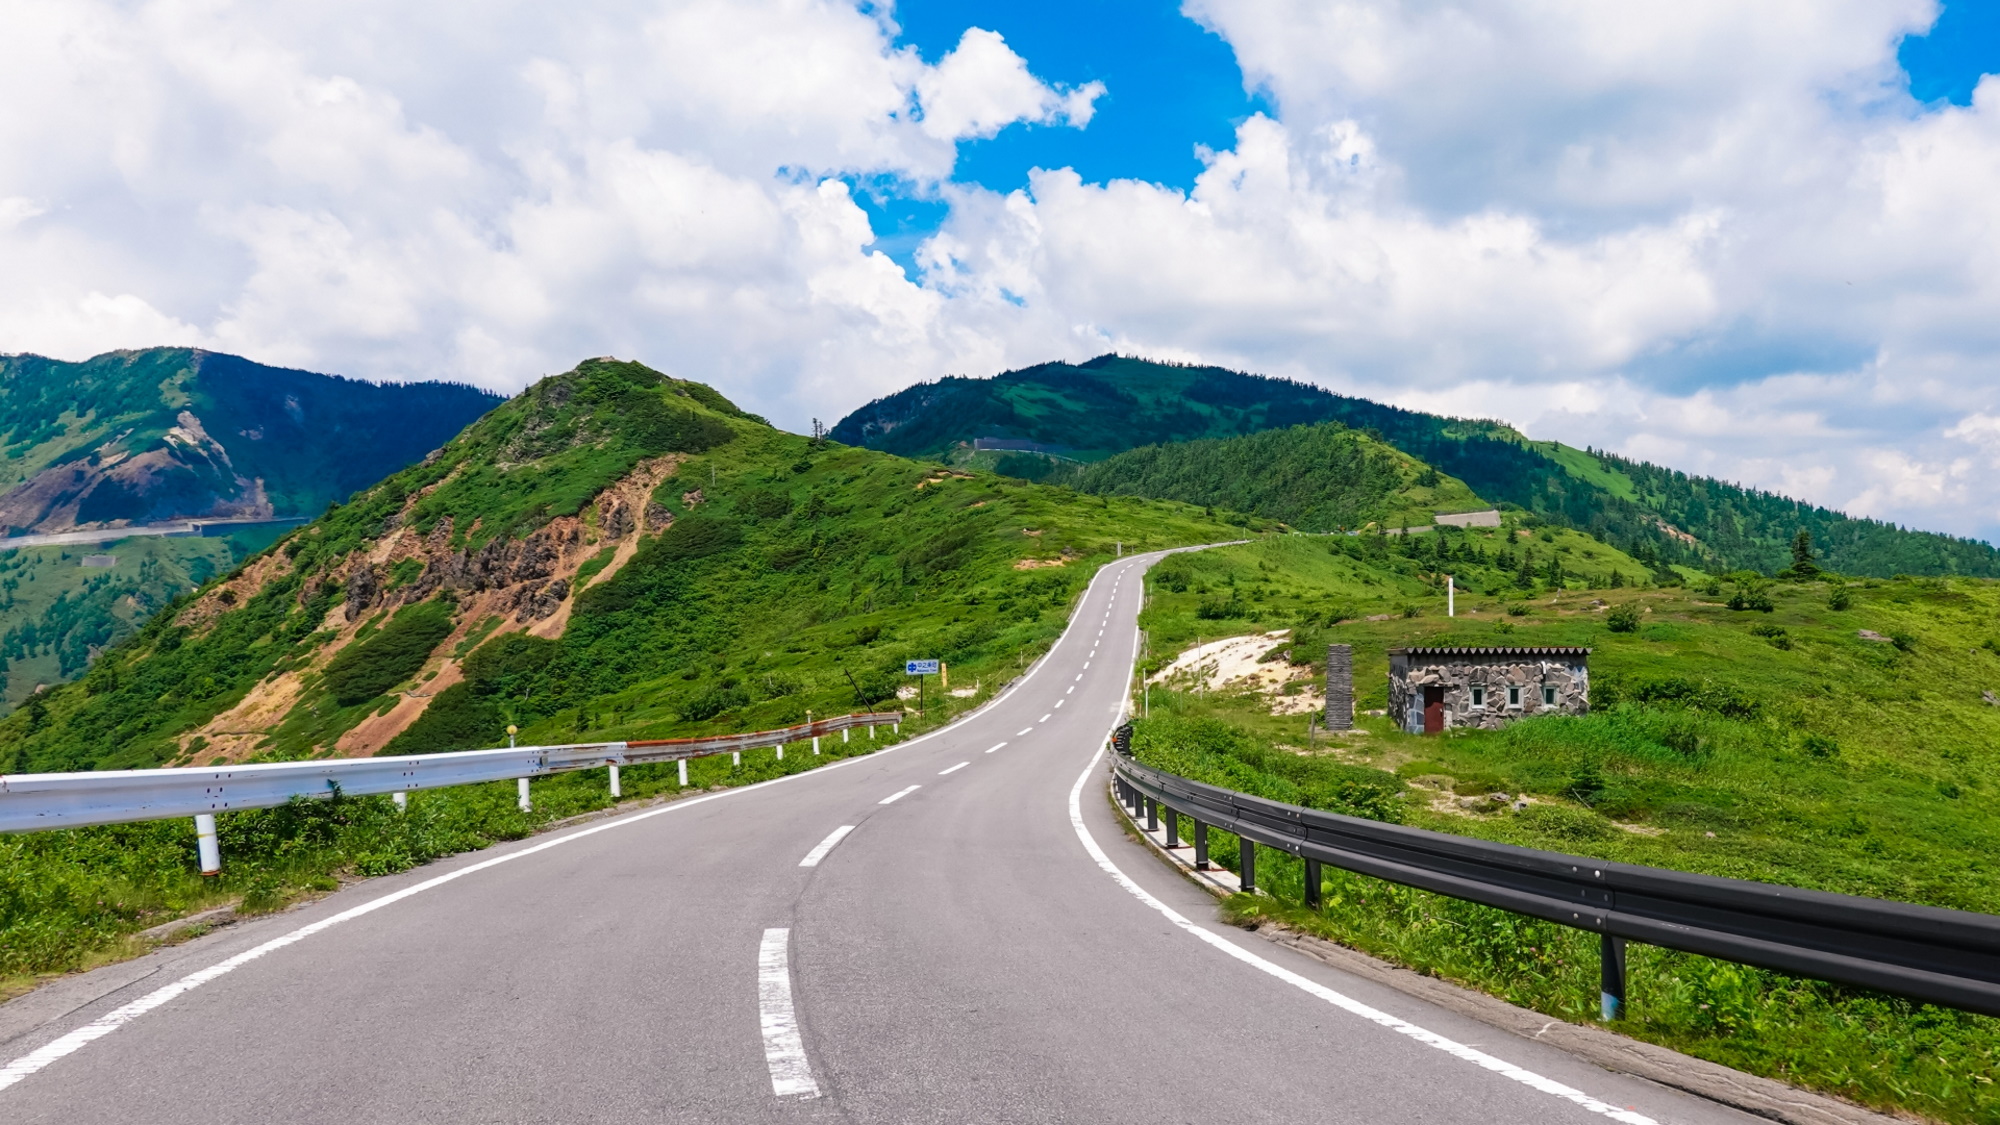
(185, 528)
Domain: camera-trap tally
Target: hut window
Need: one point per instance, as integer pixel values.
(1513, 697)
(1478, 697)
(1548, 697)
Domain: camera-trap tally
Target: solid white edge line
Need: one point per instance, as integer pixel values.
(899, 795)
(824, 846)
(77, 1039)
(784, 1048)
(1312, 987)
(994, 747)
(956, 768)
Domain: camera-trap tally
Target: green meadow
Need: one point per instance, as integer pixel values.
(1829, 733)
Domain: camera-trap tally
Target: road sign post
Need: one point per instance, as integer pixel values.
(920, 669)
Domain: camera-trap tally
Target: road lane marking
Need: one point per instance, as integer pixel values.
(1019, 733)
(78, 1038)
(1086, 663)
(1060, 702)
(1339, 1000)
(1072, 689)
(994, 747)
(894, 797)
(1079, 677)
(818, 853)
(784, 1050)
(1044, 718)
(956, 768)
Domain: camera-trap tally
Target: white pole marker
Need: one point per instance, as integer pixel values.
(784, 1049)
(899, 795)
(818, 853)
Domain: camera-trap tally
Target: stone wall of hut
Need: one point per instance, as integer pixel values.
(1409, 674)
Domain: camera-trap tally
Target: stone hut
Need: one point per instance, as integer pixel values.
(1435, 689)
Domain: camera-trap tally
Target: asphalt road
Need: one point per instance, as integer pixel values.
(987, 946)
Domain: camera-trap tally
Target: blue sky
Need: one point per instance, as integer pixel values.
(1172, 84)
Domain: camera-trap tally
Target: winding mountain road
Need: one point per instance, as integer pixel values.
(952, 930)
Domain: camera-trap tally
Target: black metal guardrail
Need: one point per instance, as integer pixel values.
(1947, 957)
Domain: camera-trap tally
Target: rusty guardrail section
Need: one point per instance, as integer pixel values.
(40, 801)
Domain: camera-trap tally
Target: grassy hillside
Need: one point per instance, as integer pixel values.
(612, 554)
(1314, 478)
(1114, 403)
(1783, 745)
(609, 554)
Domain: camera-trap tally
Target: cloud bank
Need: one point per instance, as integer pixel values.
(1721, 239)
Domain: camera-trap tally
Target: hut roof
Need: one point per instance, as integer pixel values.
(1557, 650)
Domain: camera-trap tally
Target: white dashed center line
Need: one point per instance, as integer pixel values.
(1086, 664)
(1060, 702)
(894, 797)
(1021, 732)
(1043, 719)
(954, 769)
(994, 747)
(784, 1049)
(1072, 689)
(814, 856)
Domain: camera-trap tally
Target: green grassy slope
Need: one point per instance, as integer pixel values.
(1781, 746)
(793, 577)
(1315, 478)
(1114, 403)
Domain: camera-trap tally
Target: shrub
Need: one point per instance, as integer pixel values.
(373, 664)
(1624, 619)
(713, 702)
(1564, 823)
(1839, 599)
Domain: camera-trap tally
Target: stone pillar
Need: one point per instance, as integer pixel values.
(1340, 687)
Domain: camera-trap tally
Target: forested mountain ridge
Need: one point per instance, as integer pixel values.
(170, 433)
(159, 434)
(612, 553)
(1104, 406)
(1314, 478)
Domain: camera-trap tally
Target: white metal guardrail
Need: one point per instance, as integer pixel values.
(38, 802)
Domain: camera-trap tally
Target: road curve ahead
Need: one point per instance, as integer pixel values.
(953, 930)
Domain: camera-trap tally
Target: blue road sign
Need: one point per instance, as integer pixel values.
(920, 667)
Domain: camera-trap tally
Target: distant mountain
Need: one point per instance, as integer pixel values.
(137, 437)
(133, 437)
(1089, 411)
(612, 553)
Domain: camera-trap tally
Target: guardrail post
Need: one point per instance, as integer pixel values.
(1312, 883)
(683, 764)
(1152, 815)
(1173, 822)
(1246, 864)
(402, 800)
(205, 844)
(521, 786)
(1611, 960)
(616, 791)
(1200, 845)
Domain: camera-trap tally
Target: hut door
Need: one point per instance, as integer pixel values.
(1433, 709)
